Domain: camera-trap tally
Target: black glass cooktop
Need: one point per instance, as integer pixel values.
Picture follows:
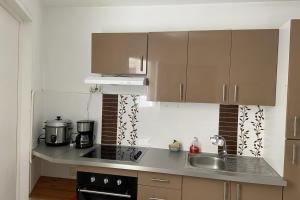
(116, 152)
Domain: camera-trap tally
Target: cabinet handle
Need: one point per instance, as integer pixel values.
(224, 92)
(181, 91)
(142, 63)
(238, 192)
(154, 198)
(225, 191)
(295, 126)
(235, 93)
(294, 154)
(160, 180)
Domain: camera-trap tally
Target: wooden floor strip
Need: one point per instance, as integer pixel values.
(49, 188)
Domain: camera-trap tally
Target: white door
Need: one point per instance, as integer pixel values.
(9, 54)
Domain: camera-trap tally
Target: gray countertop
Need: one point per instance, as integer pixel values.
(252, 170)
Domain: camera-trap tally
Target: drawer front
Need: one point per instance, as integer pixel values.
(155, 193)
(160, 180)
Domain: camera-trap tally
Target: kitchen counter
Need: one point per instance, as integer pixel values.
(258, 171)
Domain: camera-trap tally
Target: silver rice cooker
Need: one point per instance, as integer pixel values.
(58, 131)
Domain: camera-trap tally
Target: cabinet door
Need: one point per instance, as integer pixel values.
(167, 60)
(244, 191)
(293, 108)
(292, 170)
(208, 66)
(253, 67)
(119, 53)
(204, 189)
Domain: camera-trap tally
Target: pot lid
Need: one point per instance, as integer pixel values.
(58, 122)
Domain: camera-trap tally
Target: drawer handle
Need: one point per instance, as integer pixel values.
(154, 198)
(160, 180)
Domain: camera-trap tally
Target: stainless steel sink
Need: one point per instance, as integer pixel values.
(206, 161)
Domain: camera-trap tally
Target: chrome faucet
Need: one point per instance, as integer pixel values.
(220, 141)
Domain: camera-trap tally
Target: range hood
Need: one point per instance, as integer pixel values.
(115, 80)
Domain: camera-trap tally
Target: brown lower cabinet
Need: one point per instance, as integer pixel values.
(198, 188)
(292, 170)
(156, 186)
(204, 189)
(156, 193)
(245, 191)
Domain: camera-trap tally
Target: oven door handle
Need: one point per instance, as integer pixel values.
(127, 196)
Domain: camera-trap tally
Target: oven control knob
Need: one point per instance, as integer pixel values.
(93, 179)
(105, 181)
(119, 182)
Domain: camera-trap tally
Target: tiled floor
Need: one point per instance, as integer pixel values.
(48, 188)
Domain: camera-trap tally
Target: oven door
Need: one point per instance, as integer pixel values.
(91, 194)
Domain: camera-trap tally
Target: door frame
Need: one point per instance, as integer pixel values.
(17, 10)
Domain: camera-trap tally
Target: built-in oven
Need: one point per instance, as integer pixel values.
(93, 186)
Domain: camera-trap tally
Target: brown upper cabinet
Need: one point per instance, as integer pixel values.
(167, 60)
(225, 67)
(208, 66)
(253, 71)
(293, 106)
(119, 53)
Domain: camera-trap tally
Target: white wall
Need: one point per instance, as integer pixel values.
(31, 79)
(66, 46)
(9, 72)
(276, 116)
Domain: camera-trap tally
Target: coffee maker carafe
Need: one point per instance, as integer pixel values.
(85, 137)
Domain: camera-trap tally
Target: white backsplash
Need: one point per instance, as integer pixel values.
(158, 124)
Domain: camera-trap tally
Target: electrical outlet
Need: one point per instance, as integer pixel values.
(95, 89)
(72, 171)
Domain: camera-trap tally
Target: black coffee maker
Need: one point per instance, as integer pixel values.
(85, 137)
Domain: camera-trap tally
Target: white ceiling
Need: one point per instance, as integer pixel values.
(141, 2)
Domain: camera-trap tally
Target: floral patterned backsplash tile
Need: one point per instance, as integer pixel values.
(250, 131)
(128, 111)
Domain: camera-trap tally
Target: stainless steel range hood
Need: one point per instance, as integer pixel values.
(115, 80)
